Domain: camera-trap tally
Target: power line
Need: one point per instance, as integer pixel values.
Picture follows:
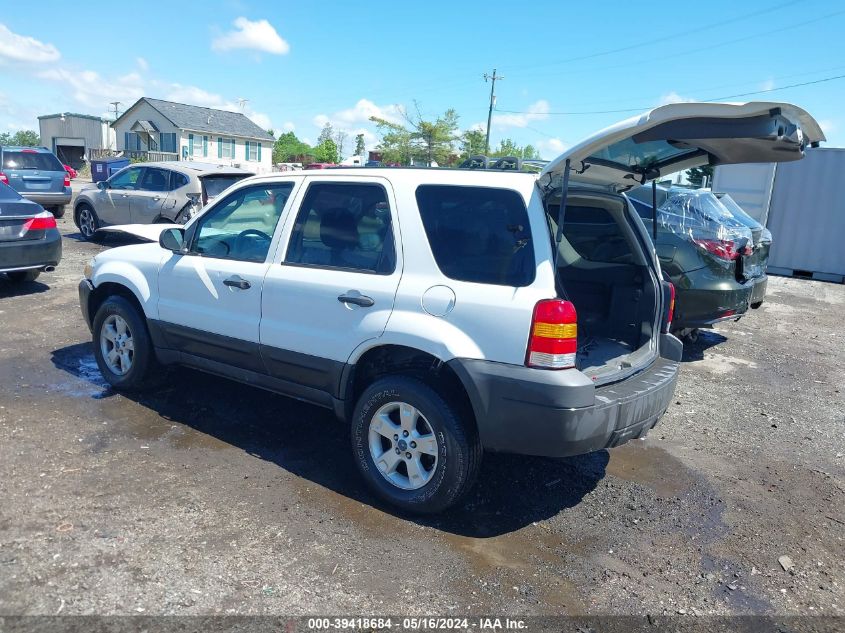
(665, 38)
(641, 109)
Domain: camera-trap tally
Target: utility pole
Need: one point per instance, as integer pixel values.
(492, 79)
(115, 105)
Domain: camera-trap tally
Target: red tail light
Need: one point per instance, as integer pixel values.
(554, 335)
(67, 180)
(723, 249)
(4, 178)
(40, 222)
(671, 306)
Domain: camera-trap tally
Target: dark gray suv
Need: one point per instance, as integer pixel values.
(36, 174)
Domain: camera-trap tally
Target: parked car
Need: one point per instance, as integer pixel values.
(320, 165)
(754, 267)
(71, 172)
(147, 193)
(438, 313)
(29, 240)
(37, 175)
(705, 251)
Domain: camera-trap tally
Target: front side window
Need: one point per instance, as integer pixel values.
(478, 234)
(344, 225)
(126, 179)
(155, 179)
(241, 226)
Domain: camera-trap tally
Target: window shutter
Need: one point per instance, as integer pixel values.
(259, 152)
(126, 140)
(246, 150)
(219, 147)
(233, 147)
(190, 144)
(205, 146)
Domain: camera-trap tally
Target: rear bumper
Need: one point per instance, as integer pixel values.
(759, 291)
(49, 198)
(31, 254)
(561, 413)
(700, 307)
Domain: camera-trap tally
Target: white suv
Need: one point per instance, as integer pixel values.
(434, 310)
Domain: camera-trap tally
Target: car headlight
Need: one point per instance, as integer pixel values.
(89, 268)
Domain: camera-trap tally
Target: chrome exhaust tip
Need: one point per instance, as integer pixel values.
(49, 269)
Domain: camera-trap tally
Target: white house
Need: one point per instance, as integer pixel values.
(186, 132)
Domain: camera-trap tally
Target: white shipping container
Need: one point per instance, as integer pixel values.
(802, 204)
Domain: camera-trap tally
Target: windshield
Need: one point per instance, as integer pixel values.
(215, 185)
(737, 212)
(30, 159)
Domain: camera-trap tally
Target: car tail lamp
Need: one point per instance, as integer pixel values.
(40, 222)
(723, 249)
(4, 178)
(671, 313)
(67, 180)
(554, 335)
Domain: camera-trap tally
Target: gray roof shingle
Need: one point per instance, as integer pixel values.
(188, 117)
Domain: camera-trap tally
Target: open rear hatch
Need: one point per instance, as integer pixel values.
(603, 264)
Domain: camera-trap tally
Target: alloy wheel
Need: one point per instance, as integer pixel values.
(117, 345)
(403, 445)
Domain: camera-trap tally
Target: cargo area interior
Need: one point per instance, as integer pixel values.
(604, 273)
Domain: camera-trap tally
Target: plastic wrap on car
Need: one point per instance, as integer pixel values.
(698, 216)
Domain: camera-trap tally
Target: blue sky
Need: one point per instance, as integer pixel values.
(301, 63)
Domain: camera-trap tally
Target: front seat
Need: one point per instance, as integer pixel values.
(339, 232)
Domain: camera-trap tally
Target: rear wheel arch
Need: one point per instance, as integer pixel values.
(391, 360)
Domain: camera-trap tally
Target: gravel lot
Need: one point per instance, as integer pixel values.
(211, 497)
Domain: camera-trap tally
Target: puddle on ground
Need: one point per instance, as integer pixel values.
(91, 383)
(650, 466)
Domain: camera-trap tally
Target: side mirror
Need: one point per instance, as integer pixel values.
(172, 240)
(103, 185)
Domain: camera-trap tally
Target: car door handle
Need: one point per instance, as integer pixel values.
(237, 282)
(358, 300)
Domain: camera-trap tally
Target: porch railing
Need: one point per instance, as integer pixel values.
(136, 155)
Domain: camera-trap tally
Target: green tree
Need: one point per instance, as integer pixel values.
(472, 143)
(359, 145)
(429, 141)
(288, 148)
(507, 147)
(326, 134)
(21, 137)
(696, 175)
(326, 152)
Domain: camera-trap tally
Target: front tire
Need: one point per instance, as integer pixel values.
(86, 221)
(122, 346)
(415, 450)
(23, 276)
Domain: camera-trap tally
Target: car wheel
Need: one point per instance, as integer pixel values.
(23, 276)
(86, 221)
(122, 345)
(58, 212)
(415, 450)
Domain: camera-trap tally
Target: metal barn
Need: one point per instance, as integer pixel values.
(70, 136)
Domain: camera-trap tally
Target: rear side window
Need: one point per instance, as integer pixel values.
(177, 180)
(215, 185)
(155, 179)
(478, 234)
(344, 226)
(22, 159)
(595, 235)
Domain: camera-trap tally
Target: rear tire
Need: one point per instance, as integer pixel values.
(86, 221)
(58, 212)
(122, 346)
(424, 476)
(756, 305)
(23, 276)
